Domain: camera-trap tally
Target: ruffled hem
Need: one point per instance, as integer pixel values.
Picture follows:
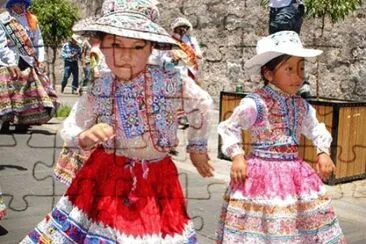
(242, 221)
(68, 224)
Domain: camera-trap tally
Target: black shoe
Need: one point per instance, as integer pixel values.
(3, 231)
(62, 89)
(21, 128)
(5, 128)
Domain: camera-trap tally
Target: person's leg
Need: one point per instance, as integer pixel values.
(87, 75)
(272, 16)
(67, 73)
(75, 76)
(301, 12)
(86, 79)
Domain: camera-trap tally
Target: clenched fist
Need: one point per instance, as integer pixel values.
(95, 135)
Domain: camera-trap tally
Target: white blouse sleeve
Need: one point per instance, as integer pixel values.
(39, 45)
(81, 117)
(230, 130)
(7, 56)
(160, 58)
(316, 132)
(196, 104)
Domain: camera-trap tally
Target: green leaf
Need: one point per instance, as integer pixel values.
(56, 18)
(334, 9)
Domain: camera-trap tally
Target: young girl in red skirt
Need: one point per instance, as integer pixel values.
(128, 191)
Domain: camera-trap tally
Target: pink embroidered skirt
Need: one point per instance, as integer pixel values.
(281, 201)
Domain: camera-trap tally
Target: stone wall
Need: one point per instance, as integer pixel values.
(228, 31)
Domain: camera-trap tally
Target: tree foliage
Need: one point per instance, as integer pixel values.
(56, 18)
(334, 9)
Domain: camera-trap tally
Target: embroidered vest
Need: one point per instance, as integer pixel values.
(279, 121)
(146, 105)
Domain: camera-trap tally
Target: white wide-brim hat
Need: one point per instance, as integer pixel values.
(180, 21)
(127, 18)
(275, 45)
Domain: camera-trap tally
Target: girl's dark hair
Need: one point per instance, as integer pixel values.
(94, 34)
(160, 46)
(272, 64)
(100, 35)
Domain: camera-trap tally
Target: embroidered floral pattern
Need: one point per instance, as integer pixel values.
(133, 19)
(279, 121)
(130, 101)
(282, 199)
(145, 112)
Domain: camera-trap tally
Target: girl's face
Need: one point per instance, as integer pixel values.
(288, 75)
(126, 57)
(18, 8)
(181, 30)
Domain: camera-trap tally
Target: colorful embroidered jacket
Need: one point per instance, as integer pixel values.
(275, 121)
(143, 112)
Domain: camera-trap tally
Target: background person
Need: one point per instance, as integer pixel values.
(71, 53)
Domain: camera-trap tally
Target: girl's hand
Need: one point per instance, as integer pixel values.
(95, 135)
(239, 169)
(96, 73)
(14, 72)
(202, 163)
(324, 166)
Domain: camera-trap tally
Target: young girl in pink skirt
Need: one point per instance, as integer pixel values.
(128, 190)
(274, 196)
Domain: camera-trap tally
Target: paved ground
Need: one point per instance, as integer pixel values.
(30, 191)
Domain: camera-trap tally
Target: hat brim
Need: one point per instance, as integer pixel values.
(182, 23)
(126, 24)
(254, 64)
(9, 3)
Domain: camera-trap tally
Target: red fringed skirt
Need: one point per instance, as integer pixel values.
(114, 199)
